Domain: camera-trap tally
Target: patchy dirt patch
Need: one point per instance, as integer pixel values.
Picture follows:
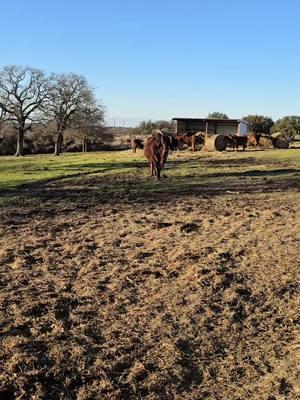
(185, 298)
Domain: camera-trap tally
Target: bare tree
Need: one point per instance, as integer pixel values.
(69, 94)
(88, 123)
(3, 124)
(23, 91)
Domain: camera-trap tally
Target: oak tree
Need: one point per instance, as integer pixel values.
(259, 124)
(289, 126)
(23, 92)
(88, 123)
(217, 115)
(69, 94)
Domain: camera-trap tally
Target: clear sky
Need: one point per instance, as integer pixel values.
(151, 59)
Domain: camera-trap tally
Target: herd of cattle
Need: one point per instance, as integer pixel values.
(157, 147)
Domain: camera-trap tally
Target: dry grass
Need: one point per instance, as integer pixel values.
(187, 295)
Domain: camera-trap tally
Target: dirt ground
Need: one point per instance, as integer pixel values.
(187, 296)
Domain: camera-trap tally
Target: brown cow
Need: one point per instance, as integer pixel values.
(156, 151)
(236, 141)
(253, 140)
(189, 139)
(136, 144)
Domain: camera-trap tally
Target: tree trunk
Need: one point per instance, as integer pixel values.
(58, 144)
(20, 143)
(84, 145)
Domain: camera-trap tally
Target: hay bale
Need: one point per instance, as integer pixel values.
(280, 143)
(215, 143)
(266, 142)
(280, 140)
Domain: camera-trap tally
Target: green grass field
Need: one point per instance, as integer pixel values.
(123, 173)
(17, 171)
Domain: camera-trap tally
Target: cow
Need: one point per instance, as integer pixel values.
(253, 140)
(236, 141)
(190, 139)
(156, 152)
(136, 144)
(174, 145)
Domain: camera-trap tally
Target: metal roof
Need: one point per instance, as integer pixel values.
(210, 120)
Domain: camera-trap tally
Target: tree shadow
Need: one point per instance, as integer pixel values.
(89, 190)
(119, 182)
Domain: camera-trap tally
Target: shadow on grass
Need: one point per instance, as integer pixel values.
(80, 167)
(86, 189)
(254, 173)
(104, 166)
(81, 170)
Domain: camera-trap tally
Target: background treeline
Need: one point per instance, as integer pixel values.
(44, 113)
(258, 124)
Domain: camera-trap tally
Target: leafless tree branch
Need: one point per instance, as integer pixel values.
(23, 91)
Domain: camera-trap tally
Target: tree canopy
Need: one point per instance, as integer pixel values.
(289, 125)
(88, 124)
(23, 92)
(31, 100)
(217, 115)
(146, 127)
(259, 124)
(70, 94)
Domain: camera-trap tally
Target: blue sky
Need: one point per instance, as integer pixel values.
(159, 59)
